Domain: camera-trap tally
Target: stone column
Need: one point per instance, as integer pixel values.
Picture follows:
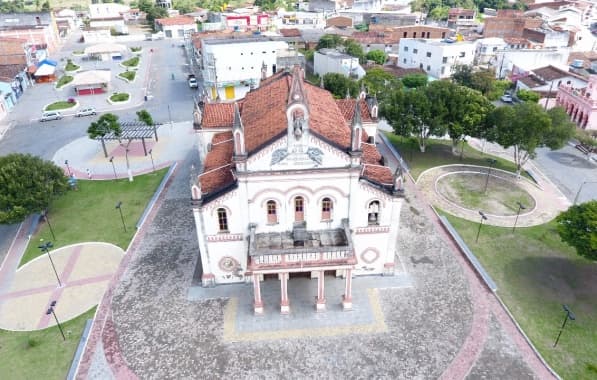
(284, 304)
(258, 304)
(320, 305)
(347, 297)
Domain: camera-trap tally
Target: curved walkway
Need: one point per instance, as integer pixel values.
(546, 206)
(84, 271)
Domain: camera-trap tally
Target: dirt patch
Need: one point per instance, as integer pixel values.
(476, 191)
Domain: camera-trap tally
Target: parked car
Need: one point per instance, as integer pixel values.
(192, 81)
(506, 98)
(50, 115)
(87, 111)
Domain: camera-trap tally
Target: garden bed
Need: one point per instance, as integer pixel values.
(71, 67)
(120, 97)
(64, 80)
(128, 76)
(60, 105)
(131, 63)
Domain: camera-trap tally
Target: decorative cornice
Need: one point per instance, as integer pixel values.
(224, 237)
(372, 230)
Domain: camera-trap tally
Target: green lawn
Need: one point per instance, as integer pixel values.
(40, 354)
(120, 97)
(439, 152)
(64, 80)
(129, 75)
(61, 105)
(136, 49)
(71, 66)
(536, 273)
(89, 214)
(133, 62)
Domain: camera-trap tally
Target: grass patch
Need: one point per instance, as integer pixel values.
(78, 52)
(64, 80)
(61, 105)
(120, 97)
(129, 75)
(40, 354)
(70, 66)
(136, 49)
(133, 62)
(439, 152)
(89, 213)
(536, 273)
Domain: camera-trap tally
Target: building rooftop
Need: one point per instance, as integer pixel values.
(24, 20)
(177, 20)
(440, 42)
(335, 54)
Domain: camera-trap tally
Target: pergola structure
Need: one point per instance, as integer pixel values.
(132, 130)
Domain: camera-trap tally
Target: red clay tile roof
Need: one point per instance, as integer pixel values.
(218, 115)
(217, 168)
(178, 20)
(347, 108)
(263, 114)
(290, 32)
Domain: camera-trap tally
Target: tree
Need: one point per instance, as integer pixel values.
(528, 96)
(106, 123)
(28, 185)
(354, 49)
(377, 56)
(154, 13)
(45, 7)
(439, 13)
(562, 129)
(329, 41)
(483, 81)
(379, 82)
(468, 110)
(145, 117)
(463, 75)
(414, 80)
(184, 6)
(338, 85)
(525, 127)
(578, 228)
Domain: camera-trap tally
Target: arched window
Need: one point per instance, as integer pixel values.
(326, 209)
(272, 212)
(222, 220)
(373, 213)
(299, 209)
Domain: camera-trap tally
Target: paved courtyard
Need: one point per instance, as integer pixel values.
(437, 322)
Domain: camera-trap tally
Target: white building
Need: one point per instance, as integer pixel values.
(517, 62)
(231, 66)
(487, 48)
(546, 80)
(332, 61)
(176, 27)
(290, 187)
(437, 57)
(299, 20)
(107, 15)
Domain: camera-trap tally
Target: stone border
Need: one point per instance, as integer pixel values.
(119, 102)
(437, 179)
(62, 109)
(82, 342)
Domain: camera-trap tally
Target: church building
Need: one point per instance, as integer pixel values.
(292, 185)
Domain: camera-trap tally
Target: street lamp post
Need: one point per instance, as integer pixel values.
(70, 173)
(491, 162)
(51, 311)
(520, 207)
(151, 155)
(113, 167)
(44, 213)
(45, 248)
(483, 217)
(569, 316)
(579, 190)
(119, 207)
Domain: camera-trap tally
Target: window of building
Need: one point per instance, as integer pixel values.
(404, 34)
(373, 213)
(443, 69)
(421, 66)
(222, 220)
(495, 48)
(326, 209)
(428, 68)
(272, 212)
(406, 48)
(429, 54)
(445, 60)
(462, 54)
(299, 209)
(415, 51)
(404, 60)
(443, 34)
(414, 34)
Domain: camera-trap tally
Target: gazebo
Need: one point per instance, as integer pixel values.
(106, 52)
(46, 71)
(92, 82)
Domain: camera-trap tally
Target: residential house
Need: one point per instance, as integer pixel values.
(487, 48)
(39, 29)
(291, 187)
(515, 63)
(327, 61)
(546, 80)
(243, 21)
(380, 37)
(460, 18)
(509, 23)
(176, 27)
(16, 55)
(436, 57)
(107, 15)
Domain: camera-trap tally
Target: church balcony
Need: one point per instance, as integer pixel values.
(300, 249)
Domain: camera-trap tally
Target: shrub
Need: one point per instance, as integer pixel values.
(119, 97)
(136, 49)
(133, 62)
(129, 75)
(64, 80)
(61, 105)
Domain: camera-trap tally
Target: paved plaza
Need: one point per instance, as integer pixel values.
(433, 320)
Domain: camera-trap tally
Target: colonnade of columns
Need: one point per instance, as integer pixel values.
(320, 304)
(577, 114)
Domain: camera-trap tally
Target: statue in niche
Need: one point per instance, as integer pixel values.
(298, 127)
(279, 155)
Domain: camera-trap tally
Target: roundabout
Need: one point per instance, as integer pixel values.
(464, 190)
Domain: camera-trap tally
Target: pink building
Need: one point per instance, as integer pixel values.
(580, 104)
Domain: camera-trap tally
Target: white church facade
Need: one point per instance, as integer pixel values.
(293, 185)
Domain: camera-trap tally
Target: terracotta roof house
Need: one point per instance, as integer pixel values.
(293, 186)
(176, 27)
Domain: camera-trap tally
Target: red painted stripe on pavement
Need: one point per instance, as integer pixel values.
(55, 296)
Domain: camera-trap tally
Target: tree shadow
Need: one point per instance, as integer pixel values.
(569, 159)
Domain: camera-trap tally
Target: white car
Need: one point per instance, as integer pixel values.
(87, 111)
(50, 115)
(506, 98)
